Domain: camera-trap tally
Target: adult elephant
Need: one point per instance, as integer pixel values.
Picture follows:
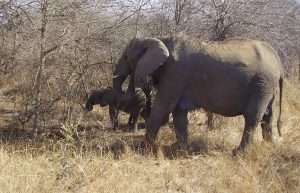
(235, 77)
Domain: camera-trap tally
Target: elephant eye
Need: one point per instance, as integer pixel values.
(125, 57)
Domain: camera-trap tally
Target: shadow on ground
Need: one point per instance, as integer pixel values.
(102, 140)
(137, 145)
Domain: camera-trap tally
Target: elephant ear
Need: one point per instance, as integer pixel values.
(156, 54)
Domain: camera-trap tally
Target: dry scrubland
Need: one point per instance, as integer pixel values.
(81, 163)
(53, 52)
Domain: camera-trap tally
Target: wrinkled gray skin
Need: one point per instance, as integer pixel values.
(135, 105)
(231, 78)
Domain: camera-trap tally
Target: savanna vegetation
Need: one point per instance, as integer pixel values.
(53, 52)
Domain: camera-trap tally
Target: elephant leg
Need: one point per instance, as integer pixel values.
(170, 90)
(210, 121)
(134, 125)
(180, 123)
(147, 109)
(113, 114)
(156, 119)
(166, 120)
(132, 122)
(266, 123)
(253, 115)
(145, 117)
(250, 125)
(130, 119)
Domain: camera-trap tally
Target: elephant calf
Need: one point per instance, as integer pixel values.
(135, 105)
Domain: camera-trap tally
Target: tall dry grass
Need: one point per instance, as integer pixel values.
(82, 164)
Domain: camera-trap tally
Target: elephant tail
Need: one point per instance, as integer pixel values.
(279, 122)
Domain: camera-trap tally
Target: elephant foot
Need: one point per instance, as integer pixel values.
(177, 150)
(133, 129)
(237, 151)
(181, 146)
(266, 133)
(151, 149)
(150, 145)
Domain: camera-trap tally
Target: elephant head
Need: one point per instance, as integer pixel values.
(140, 58)
(103, 96)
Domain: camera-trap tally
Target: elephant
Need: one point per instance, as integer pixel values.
(135, 105)
(238, 76)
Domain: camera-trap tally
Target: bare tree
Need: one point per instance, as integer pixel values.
(53, 52)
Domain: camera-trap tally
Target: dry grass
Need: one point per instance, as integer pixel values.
(84, 166)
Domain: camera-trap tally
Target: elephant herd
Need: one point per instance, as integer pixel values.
(235, 77)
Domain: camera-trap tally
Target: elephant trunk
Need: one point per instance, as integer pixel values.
(117, 85)
(123, 97)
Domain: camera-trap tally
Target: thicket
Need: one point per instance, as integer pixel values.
(52, 52)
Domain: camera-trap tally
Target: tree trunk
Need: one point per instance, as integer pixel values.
(39, 75)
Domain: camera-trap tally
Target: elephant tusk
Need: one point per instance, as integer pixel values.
(115, 76)
(110, 77)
